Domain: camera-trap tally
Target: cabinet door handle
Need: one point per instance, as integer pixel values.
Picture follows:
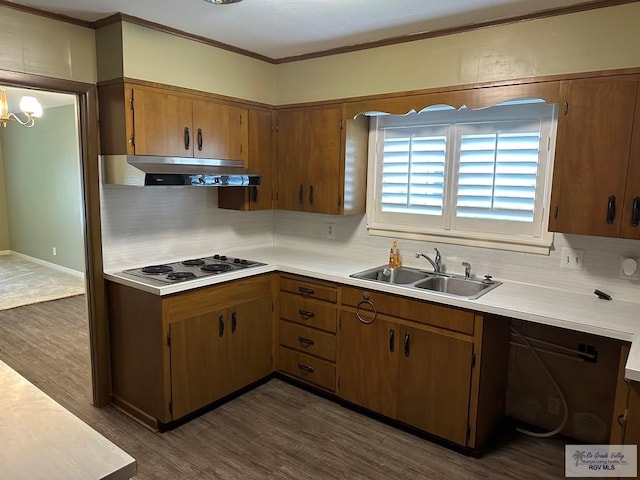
(311, 194)
(407, 344)
(306, 291)
(301, 195)
(307, 342)
(611, 209)
(221, 325)
(635, 212)
(305, 368)
(392, 340)
(200, 141)
(306, 313)
(187, 138)
(234, 322)
(254, 194)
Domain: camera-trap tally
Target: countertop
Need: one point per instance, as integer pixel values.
(583, 312)
(40, 439)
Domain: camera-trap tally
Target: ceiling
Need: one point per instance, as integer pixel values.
(287, 28)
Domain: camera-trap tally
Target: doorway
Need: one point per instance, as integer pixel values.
(86, 114)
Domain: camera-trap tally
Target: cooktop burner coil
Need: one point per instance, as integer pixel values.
(157, 269)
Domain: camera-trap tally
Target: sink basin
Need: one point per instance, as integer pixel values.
(416, 279)
(459, 287)
(400, 276)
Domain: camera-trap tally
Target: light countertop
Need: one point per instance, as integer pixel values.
(583, 312)
(41, 439)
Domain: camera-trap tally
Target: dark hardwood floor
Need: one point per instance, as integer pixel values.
(276, 431)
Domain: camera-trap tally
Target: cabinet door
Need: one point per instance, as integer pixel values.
(199, 353)
(368, 363)
(220, 131)
(162, 124)
(434, 379)
(592, 154)
(631, 210)
(324, 177)
(293, 148)
(250, 327)
(261, 160)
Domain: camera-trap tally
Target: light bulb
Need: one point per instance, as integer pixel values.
(31, 106)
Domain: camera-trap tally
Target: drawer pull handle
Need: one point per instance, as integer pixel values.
(307, 342)
(306, 313)
(305, 368)
(407, 344)
(375, 312)
(392, 340)
(306, 291)
(234, 322)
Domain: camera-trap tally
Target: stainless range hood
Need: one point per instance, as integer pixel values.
(147, 170)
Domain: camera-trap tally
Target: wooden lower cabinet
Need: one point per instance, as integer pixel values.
(306, 330)
(176, 354)
(368, 363)
(217, 353)
(435, 379)
(199, 362)
(434, 382)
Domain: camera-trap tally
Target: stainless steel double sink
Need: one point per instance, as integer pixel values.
(417, 279)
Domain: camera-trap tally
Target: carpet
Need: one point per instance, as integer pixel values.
(23, 282)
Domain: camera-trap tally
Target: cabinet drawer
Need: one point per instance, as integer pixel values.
(415, 310)
(309, 289)
(308, 312)
(308, 368)
(308, 340)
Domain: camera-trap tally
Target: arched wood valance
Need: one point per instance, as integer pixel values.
(479, 97)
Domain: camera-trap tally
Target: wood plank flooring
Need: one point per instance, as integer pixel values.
(276, 431)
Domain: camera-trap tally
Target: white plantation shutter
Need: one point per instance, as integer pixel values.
(473, 175)
(498, 171)
(413, 170)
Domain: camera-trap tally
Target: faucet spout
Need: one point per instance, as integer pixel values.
(436, 263)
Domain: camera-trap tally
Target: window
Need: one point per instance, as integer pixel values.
(476, 177)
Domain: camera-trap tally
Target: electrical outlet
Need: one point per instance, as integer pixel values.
(554, 405)
(331, 231)
(55, 251)
(571, 259)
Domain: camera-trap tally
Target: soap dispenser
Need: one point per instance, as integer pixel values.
(394, 255)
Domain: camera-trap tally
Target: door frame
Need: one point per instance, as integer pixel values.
(87, 116)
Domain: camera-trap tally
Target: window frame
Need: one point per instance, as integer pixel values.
(448, 228)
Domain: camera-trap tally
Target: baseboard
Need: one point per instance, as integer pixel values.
(60, 268)
(4, 252)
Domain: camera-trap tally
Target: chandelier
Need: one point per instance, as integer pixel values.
(29, 106)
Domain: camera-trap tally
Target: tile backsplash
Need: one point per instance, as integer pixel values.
(141, 226)
(602, 256)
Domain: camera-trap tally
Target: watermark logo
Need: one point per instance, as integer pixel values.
(601, 460)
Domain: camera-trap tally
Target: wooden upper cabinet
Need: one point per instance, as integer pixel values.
(261, 159)
(322, 161)
(162, 124)
(592, 156)
(631, 209)
(220, 131)
(145, 120)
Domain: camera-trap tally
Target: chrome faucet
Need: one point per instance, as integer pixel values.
(467, 269)
(436, 264)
